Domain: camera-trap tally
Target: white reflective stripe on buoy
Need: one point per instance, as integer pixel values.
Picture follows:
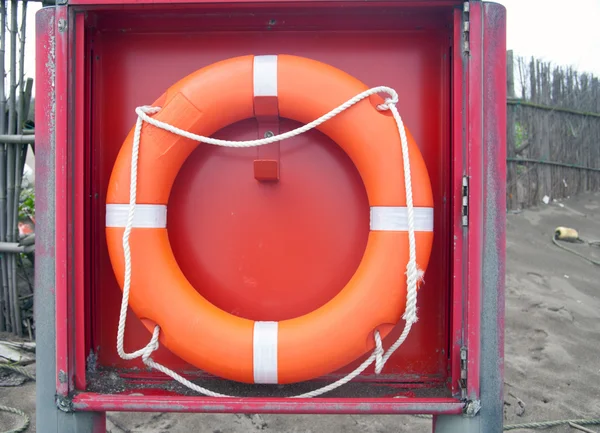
(265, 76)
(146, 215)
(395, 218)
(265, 352)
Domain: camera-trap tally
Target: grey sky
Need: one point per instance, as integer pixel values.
(563, 32)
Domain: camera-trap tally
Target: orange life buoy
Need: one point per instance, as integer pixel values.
(327, 338)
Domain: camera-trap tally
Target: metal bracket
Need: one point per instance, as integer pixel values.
(466, 28)
(465, 201)
(472, 408)
(64, 404)
(268, 157)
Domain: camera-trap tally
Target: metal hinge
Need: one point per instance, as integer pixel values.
(465, 201)
(471, 407)
(466, 28)
(462, 382)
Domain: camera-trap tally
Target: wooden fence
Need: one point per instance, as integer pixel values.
(553, 132)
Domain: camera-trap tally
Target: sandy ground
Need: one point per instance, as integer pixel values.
(552, 342)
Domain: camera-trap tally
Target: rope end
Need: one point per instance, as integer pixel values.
(420, 276)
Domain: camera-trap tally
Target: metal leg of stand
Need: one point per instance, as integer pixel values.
(457, 424)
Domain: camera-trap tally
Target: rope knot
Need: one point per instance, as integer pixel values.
(152, 345)
(389, 102)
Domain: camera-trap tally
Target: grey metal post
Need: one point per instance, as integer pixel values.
(457, 424)
(49, 419)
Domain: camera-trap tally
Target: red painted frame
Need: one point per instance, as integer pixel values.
(467, 157)
(458, 171)
(79, 184)
(104, 137)
(474, 169)
(64, 341)
(103, 403)
(102, 3)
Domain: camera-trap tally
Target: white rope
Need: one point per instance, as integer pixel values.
(379, 356)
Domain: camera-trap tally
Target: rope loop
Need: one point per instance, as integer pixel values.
(378, 352)
(147, 109)
(379, 355)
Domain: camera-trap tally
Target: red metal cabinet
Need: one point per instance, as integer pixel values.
(97, 60)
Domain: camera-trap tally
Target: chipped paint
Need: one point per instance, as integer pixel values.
(46, 405)
(45, 149)
(169, 403)
(472, 408)
(494, 218)
(91, 362)
(59, 125)
(64, 404)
